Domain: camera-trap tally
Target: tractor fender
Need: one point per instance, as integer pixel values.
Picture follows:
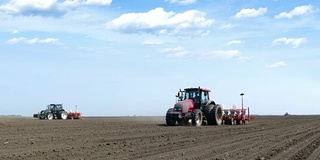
(210, 102)
(43, 112)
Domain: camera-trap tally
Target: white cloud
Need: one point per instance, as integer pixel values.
(46, 7)
(297, 11)
(15, 32)
(183, 2)
(277, 65)
(17, 6)
(234, 42)
(180, 52)
(251, 12)
(244, 58)
(220, 54)
(158, 21)
(177, 52)
(294, 42)
(151, 42)
(34, 41)
(70, 4)
(228, 26)
(97, 2)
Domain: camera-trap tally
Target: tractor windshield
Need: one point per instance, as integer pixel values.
(50, 106)
(191, 93)
(55, 106)
(59, 106)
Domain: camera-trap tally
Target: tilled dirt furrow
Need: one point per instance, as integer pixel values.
(311, 145)
(316, 152)
(266, 137)
(300, 146)
(279, 149)
(238, 148)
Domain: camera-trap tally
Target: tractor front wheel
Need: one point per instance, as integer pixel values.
(197, 117)
(49, 116)
(169, 120)
(41, 116)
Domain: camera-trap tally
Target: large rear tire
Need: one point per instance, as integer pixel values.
(197, 117)
(214, 116)
(49, 116)
(169, 120)
(63, 115)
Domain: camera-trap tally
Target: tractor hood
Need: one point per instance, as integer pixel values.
(184, 106)
(44, 111)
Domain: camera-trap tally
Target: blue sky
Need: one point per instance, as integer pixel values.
(119, 58)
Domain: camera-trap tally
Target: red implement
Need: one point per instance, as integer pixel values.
(74, 115)
(236, 116)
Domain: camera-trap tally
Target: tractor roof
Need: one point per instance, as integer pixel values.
(204, 89)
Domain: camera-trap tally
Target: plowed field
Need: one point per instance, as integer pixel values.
(266, 137)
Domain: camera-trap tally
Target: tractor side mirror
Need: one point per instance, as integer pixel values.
(179, 95)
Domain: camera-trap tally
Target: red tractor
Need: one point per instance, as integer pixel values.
(194, 104)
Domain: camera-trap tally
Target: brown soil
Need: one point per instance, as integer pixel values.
(266, 137)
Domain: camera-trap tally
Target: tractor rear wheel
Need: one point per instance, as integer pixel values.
(214, 116)
(49, 116)
(63, 115)
(169, 120)
(197, 117)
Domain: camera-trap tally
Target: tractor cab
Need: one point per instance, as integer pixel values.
(55, 108)
(199, 95)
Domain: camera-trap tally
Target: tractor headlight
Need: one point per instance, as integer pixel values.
(178, 107)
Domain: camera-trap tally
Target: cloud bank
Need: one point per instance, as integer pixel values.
(180, 52)
(158, 21)
(23, 40)
(244, 13)
(294, 42)
(234, 42)
(46, 7)
(297, 11)
(277, 65)
(183, 2)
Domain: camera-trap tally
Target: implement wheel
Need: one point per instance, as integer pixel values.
(231, 121)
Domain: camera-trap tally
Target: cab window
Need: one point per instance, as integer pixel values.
(205, 96)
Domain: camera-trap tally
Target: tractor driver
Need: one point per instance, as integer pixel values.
(197, 100)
